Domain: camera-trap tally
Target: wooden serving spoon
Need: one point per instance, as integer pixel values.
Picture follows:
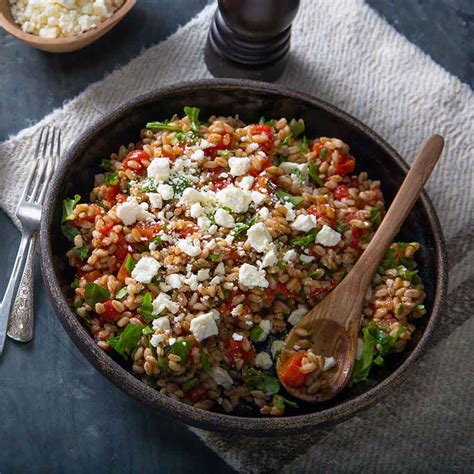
(335, 322)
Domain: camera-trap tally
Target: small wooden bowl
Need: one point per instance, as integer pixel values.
(61, 45)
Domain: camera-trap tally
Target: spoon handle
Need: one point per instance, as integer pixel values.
(406, 197)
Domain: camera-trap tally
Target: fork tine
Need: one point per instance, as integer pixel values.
(51, 163)
(42, 168)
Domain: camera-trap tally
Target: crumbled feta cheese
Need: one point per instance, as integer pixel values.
(204, 223)
(290, 212)
(145, 269)
(198, 155)
(162, 302)
(220, 269)
(304, 223)
(277, 346)
(258, 198)
(238, 166)
(258, 237)
(130, 211)
(329, 363)
(246, 182)
(237, 337)
(196, 210)
(166, 191)
(221, 377)
(297, 314)
(156, 339)
(270, 259)
(192, 281)
(190, 247)
(203, 274)
(328, 237)
(290, 256)
(266, 327)
(263, 361)
(161, 323)
(224, 219)
(215, 281)
(175, 281)
(234, 198)
(155, 199)
(264, 213)
(191, 195)
(252, 277)
(306, 258)
(159, 169)
(204, 326)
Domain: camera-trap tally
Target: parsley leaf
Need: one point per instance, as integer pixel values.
(155, 126)
(179, 183)
(82, 252)
(126, 343)
(204, 361)
(129, 264)
(122, 293)
(146, 307)
(376, 216)
(213, 257)
(296, 127)
(286, 197)
(314, 174)
(257, 380)
(111, 179)
(323, 153)
(68, 207)
(242, 227)
(193, 115)
(304, 241)
(95, 294)
(304, 147)
(255, 333)
(182, 349)
(106, 165)
(70, 232)
(279, 402)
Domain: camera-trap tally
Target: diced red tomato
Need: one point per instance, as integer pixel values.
(264, 185)
(224, 143)
(111, 192)
(148, 231)
(325, 213)
(188, 229)
(107, 228)
(236, 351)
(141, 159)
(264, 165)
(353, 182)
(263, 130)
(291, 374)
(121, 250)
(121, 197)
(218, 181)
(110, 314)
(196, 394)
(233, 255)
(345, 165)
(356, 236)
(341, 192)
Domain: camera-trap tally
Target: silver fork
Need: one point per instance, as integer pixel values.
(29, 215)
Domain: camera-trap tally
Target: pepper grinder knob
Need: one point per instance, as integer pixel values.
(250, 39)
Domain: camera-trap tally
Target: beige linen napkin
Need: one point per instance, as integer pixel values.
(344, 53)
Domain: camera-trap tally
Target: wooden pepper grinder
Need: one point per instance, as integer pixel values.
(250, 39)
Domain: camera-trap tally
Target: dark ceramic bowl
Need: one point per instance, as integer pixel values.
(250, 100)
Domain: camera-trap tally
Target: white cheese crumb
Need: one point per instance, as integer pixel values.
(221, 377)
(130, 211)
(159, 169)
(276, 347)
(290, 212)
(238, 166)
(166, 191)
(220, 269)
(258, 198)
(204, 223)
(304, 223)
(189, 247)
(269, 260)
(263, 361)
(234, 198)
(162, 302)
(306, 258)
(161, 323)
(264, 213)
(224, 219)
(145, 269)
(215, 281)
(203, 274)
(297, 314)
(328, 237)
(175, 281)
(252, 277)
(155, 199)
(198, 155)
(290, 256)
(156, 339)
(196, 210)
(237, 337)
(266, 327)
(246, 182)
(329, 363)
(258, 237)
(204, 326)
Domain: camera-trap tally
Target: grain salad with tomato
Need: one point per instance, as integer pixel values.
(202, 244)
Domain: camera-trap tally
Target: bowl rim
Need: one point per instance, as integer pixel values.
(94, 33)
(185, 413)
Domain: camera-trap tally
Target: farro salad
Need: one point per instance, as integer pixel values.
(204, 242)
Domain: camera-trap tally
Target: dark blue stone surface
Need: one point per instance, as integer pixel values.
(57, 414)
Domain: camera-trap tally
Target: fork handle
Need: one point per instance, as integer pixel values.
(9, 295)
(21, 322)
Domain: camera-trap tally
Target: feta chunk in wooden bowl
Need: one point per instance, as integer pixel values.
(64, 26)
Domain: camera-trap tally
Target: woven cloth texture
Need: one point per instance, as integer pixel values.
(344, 53)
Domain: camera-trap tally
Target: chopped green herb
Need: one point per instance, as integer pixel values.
(204, 360)
(420, 307)
(122, 293)
(304, 241)
(95, 294)
(323, 153)
(100, 203)
(82, 252)
(179, 183)
(410, 275)
(182, 349)
(129, 264)
(376, 216)
(282, 265)
(162, 363)
(149, 186)
(146, 307)
(342, 227)
(70, 232)
(281, 159)
(296, 127)
(68, 207)
(111, 179)
(213, 257)
(286, 197)
(314, 174)
(105, 164)
(190, 384)
(155, 126)
(388, 262)
(75, 283)
(304, 147)
(157, 240)
(147, 330)
(255, 333)
(317, 274)
(263, 121)
(126, 343)
(225, 152)
(243, 226)
(193, 115)
(257, 380)
(279, 402)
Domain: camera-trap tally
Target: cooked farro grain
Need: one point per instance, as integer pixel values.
(203, 243)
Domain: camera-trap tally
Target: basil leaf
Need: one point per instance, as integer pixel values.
(314, 175)
(68, 207)
(257, 380)
(155, 126)
(286, 197)
(147, 330)
(263, 121)
(106, 165)
(95, 294)
(213, 257)
(193, 115)
(376, 216)
(410, 275)
(146, 307)
(129, 264)
(182, 349)
(279, 402)
(127, 342)
(296, 127)
(323, 153)
(122, 293)
(190, 384)
(304, 241)
(70, 232)
(242, 227)
(82, 252)
(205, 364)
(304, 147)
(149, 186)
(255, 333)
(111, 179)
